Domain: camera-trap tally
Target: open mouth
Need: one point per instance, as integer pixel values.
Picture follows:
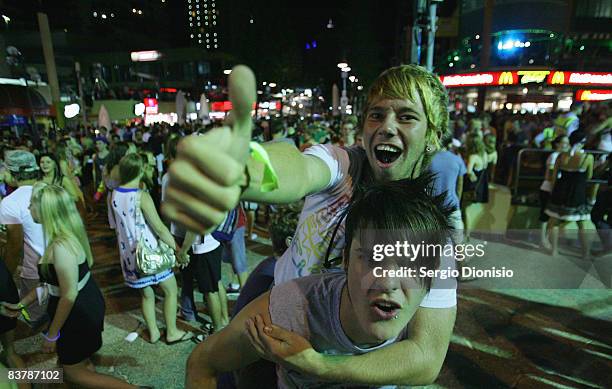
(385, 310)
(387, 154)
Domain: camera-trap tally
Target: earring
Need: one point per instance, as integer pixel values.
(429, 149)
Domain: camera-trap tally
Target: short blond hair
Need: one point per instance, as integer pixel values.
(407, 82)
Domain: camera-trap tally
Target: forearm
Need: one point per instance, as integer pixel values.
(189, 239)
(403, 363)
(64, 306)
(290, 166)
(29, 298)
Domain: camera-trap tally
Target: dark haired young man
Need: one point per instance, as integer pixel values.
(341, 313)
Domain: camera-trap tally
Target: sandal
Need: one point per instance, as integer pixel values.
(188, 335)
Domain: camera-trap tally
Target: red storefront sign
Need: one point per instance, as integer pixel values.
(522, 77)
(593, 95)
(559, 77)
(151, 106)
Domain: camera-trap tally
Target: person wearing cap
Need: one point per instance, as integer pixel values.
(25, 239)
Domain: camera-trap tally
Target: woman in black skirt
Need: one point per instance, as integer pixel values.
(76, 305)
(568, 200)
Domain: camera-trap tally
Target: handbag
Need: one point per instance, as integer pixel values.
(151, 261)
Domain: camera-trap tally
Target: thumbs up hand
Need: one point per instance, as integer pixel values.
(206, 176)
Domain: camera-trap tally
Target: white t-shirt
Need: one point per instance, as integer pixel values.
(321, 214)
(201, 244)
(14, 209)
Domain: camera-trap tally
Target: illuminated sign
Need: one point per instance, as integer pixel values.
(593, 95)
(151, 106)
(590, 79)
(529, 76)
(223, 106)
(580, 78)
(468, 79)
(512, 44)
(522, 77)
(71, 110)
(168, 90)
(506, 78)
(139, 109)
(145, 56)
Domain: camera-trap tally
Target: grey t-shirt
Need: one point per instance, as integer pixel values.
(310, 307)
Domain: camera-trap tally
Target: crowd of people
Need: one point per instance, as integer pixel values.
(183, 199)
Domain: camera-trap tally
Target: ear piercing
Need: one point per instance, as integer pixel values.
(395, 317)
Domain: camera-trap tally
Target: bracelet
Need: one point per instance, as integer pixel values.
(24, 312)
(269, 181)
(52, 339)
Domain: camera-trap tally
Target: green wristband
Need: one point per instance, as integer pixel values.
(269, 181)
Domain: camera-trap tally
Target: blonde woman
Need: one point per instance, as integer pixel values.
(76, 306)
(476, 187)
(135, 216)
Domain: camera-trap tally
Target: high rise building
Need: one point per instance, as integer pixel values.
(203, 23)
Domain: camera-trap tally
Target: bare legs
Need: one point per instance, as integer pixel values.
(554, 225)
(170, 304)
(10, 356)
(84, 374)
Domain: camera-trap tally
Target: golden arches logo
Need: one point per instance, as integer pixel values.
(506, 79)
(558, 78)
(585, 95)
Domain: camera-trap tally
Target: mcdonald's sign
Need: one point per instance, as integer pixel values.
(556, 78)
(506, 78)
(593, 95)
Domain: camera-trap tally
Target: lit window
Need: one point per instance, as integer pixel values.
(192, 35)
(214, 16)
(95, 14)
(214, 23)
(215, 34)
(207, 34)
(216, 46)
(200, 41)
(208, 46)
(199, 35)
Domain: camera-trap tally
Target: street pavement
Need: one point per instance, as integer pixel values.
(533, 337)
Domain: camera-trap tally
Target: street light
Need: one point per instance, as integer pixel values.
(346, 69)
(227, 71)
(351, 78)
(342, 65)
(272, 85)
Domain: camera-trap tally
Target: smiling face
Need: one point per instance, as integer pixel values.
(394, 134)
(47, 165)
(382, 306)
